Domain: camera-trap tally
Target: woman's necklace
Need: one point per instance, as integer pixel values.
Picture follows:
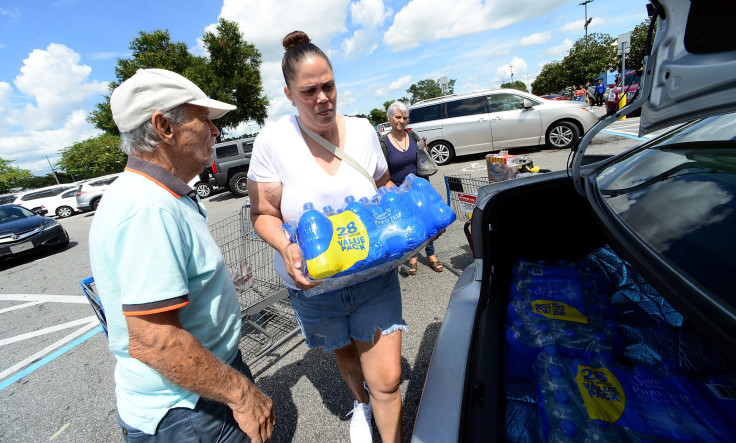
(398, 144)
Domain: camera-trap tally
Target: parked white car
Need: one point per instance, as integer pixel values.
(36, 199)
(62, 205)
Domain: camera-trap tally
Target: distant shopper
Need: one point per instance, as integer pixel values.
(600, 89)
(400, 149)
(172, 311)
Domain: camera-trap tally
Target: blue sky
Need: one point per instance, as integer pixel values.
(57, 56)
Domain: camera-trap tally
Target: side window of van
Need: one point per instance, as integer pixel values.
(505, 102)
(425, 114)
(466, 106)
(247, 147)
(227, 151)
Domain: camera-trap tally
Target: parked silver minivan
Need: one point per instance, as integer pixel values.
(490, 120)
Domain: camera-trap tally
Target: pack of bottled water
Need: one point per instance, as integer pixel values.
(599, 400)
(556, 305)
(365, 238)
(607, 369)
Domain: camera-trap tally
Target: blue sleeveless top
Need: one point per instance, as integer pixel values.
(401, 164)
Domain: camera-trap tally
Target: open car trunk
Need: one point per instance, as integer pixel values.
(548, 222)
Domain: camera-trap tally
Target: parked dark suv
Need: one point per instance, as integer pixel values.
(231, 163)
(609, 313)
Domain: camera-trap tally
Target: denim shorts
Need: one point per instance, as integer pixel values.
(332, 318)
(209, 421)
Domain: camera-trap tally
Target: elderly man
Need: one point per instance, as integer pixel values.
(172, 311)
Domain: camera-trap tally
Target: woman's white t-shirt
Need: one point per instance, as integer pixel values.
(280, 155)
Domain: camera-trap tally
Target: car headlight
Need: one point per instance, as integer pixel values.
(50, 224)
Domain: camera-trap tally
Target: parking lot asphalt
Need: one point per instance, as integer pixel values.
(56, 373)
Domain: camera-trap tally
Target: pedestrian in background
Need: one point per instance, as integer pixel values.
(600, 90)
(399, 147)
(172, 313)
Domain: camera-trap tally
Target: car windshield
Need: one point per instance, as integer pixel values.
(678, 194)
(13, 212)
(632, 79)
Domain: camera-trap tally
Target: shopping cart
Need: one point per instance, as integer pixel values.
(268, 319)
(462, 192)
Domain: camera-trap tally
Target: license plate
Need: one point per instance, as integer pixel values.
(21, 247)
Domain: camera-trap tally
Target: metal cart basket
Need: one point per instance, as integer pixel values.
(268, 319)
(462, 190)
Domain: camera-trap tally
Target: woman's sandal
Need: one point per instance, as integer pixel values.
(412, 268)
(436, 265)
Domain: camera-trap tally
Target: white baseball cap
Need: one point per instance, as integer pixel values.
(151, 90)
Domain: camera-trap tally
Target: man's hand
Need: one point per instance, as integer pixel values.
(255, 415)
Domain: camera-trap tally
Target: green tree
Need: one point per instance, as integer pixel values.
(12, 177)
(426, 89)
(588, 58)
(635, 57)
(93, 157)
(231, 73)
(149, 50)
(551, 79)
(517, 84)
(377, 116)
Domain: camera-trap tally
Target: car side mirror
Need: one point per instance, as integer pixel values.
(527, 104)
(42, 211)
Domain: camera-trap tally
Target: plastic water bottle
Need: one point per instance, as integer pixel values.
(523, 345)
(314, 232)
(375, 251)
(404, 232)
(428, 204)
(600, 431)
(566, 432)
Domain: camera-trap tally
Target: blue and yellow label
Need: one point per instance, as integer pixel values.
(349, 245)
(558, 310)
(602, 393)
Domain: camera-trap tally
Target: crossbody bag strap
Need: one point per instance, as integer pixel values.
(337, 152)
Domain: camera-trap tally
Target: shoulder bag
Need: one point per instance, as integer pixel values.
(337, 152)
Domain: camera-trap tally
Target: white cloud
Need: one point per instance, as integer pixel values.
(266, 29)
(517, 67)
(57, 83)
(27, 146)
(367, 15)
(47, 110)
(432, 20)
(538, 38)
(559, 50)
(400, 83)
(13, 15)
(579, 25)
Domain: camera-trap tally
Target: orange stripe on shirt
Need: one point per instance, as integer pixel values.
(155, 181)
(156, 311)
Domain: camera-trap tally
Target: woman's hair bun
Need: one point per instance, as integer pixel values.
(294, 39)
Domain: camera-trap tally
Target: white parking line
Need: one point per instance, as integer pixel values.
(48, 330)
(45, 298)
(24, 305)
(48, 349)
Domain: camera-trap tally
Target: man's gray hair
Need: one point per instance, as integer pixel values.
(144, 138)
(397, 106)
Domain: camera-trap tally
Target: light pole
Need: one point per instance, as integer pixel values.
(512, 74)
(52, 170)
(587, 20)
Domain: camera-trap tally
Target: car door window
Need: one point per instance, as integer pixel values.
(227, 151)
(505, 102)
(426, 113)
(468, 106)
